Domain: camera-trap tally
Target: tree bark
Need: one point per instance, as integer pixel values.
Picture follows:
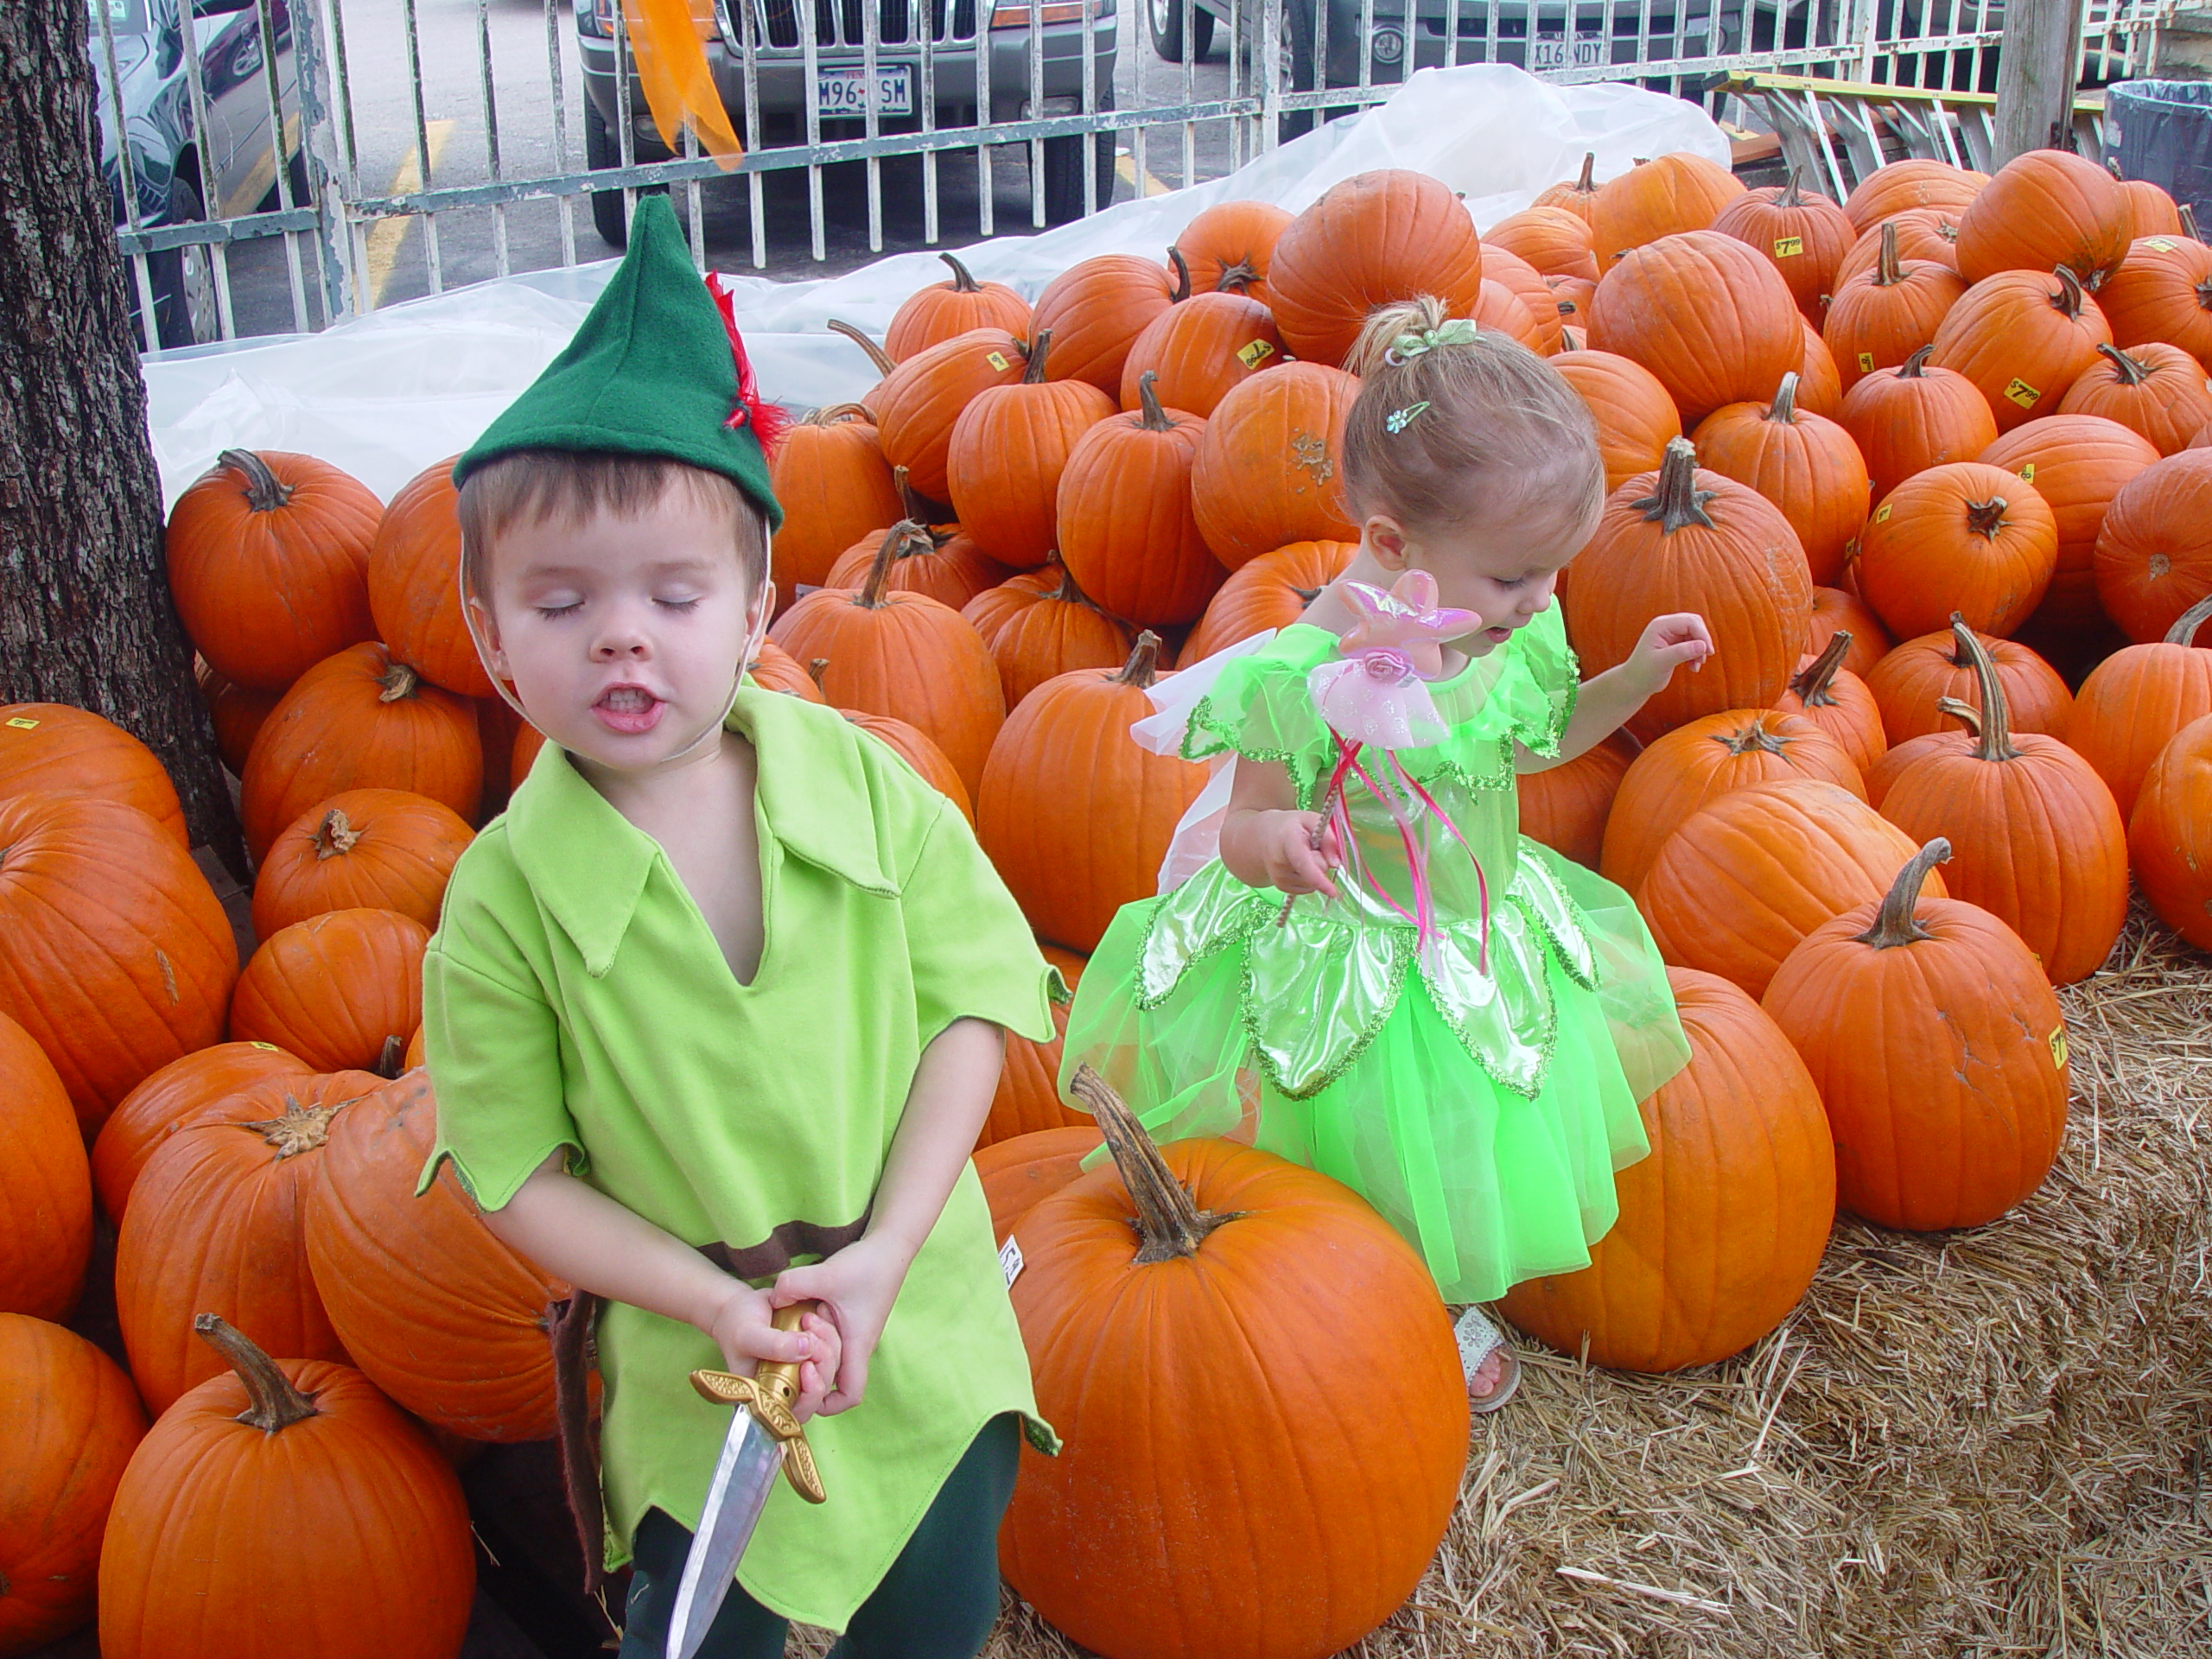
(2034, 77)
(85, 611)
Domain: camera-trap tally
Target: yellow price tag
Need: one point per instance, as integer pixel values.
(1787, 246)
(2058, 1045)
(1882, 513)
(2160, 244)
(2027, 472)
(2022, 393)
(997, 360)
(1865, 362)
(21, 724)
(1254, 353)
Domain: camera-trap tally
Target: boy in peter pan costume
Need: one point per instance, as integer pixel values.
(716, 1008)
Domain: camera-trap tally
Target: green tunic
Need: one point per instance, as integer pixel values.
(574, 996)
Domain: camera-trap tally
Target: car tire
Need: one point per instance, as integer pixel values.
(599, 152)
(184, 279)
(1164, 20)
(1063, 160)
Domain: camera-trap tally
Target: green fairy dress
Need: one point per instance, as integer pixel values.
(1479, 1091)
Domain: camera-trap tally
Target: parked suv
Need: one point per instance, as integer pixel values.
(840, 96)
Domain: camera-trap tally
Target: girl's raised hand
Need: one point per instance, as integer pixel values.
(1667, 643)
(1298, 851)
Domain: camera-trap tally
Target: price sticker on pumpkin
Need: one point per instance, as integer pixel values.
(21, 723)
(1882, 513)
(2057, 1049)
(2027, 472)
(1254, 353)
(1865, 362)
(1010, 1261)
(997, 360)
(2159, 243)
(1787, 247)
(2022, 393)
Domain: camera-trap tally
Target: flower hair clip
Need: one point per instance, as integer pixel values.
(1400, 419)
(1459, 331)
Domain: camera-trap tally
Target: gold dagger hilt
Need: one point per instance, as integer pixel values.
(769, 1394)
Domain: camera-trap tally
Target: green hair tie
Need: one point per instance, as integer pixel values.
(1459, 331)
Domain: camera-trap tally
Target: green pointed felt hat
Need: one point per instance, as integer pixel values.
(653, 370)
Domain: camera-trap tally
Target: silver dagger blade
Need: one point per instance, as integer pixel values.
(745, 1474)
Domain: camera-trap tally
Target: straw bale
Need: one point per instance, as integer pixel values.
(1960, 1445)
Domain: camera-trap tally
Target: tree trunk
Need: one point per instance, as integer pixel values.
(85, 611)
(2034, 77)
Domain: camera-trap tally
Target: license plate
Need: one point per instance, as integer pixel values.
(1585, 51)
(841, 95)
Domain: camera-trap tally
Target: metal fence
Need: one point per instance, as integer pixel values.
(972, 85)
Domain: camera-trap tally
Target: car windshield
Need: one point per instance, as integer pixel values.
(123, 16)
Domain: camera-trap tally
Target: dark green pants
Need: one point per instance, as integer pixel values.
(938, 1600)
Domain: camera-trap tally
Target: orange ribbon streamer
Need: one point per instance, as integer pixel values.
(665, 44)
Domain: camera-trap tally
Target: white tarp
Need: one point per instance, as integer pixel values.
(385, 396)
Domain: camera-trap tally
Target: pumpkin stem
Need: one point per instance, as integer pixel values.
(912, 504)
(876, 352)
(2187, 220)
(2128, 371)
(1752, 736)
(1994, 741)
(1965, 712)
(1584, 183)
(1155, 418)
(1143, 666)
(1678, 502)
(391, 1057)
(1812, 686)
(1986, 519)
(277, 1403)
(1034, 374)
(1896, 923)
(1889, 269)
(334, 835)
(2184, 631)
(962, 283)
(2112, 166)
(902, 540)
(831, 414)
(1784, 408)
(399, 681)
(301, 1129)
(1911, 367)
(1789, 197)
(264, 491)
(1182, 269)
(816, 668)
(2069, 296)
(1237, 276)
(1168, 1221)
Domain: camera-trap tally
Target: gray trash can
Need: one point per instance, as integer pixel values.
(2161, 131)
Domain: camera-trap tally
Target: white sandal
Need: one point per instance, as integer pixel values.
(1478, 1340)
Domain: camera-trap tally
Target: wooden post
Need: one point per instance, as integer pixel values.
(2035, 76)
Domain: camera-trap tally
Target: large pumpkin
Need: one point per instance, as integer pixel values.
(1837, 701)
(1075, 816)
(2154, 388)
(180, 1093)
(1555, 241)
(921, 400)
(1577, 195)
(1635, 416)
(1266, 472)
(2135, 699)
(1684, 539)
(1938, 1049)
(46, 1193)
(1143, 1540)
(360, 720)
(378, 848)
(2170, 838)
(1661, 197)
(2151, 211)
(68, 1421)
(436, 1311)
(298, 1467)
(1805, 464)
(1227, 247)
(1128, 531)
(1028, 1095)
(342, 989)
(1819, 384)
(1096, 309)
(916, 751)
(1007, 451)
(2163, 290)
(2023, 337)
(1371, 240)
(214, 1225)
(268, 560)
(2038, 840)
(835, 486)
(1022, 1170)
(904, 655)
(1968, 539)
(1503, 268)
(415, 587)
(1902, 186)
(935, 314)
(1801, 233)
(1926, 234)
(2042, 208)
(2078, 464)
(1754, 871)
(119, 956)
(1907, 682)
(1909, 418)
(1835, 611)
(1040, 626)
(1270, 592)
(1882, 316)
(1198, 350)
(1722, 1226)
(942, 560)
(54, 748)
(2153, 558)
(1711, 318)
(238, 711)
(1568, 807)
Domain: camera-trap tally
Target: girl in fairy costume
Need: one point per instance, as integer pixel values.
(1448, 1017)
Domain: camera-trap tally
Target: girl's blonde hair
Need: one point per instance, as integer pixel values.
(1455, 430)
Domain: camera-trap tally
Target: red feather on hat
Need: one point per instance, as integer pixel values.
(768, 420)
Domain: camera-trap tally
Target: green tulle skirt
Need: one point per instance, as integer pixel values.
(1495, 1170)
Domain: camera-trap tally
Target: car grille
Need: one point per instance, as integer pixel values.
(843, 22)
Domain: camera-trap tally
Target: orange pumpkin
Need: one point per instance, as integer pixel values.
(2044, 208)
(1226, 248)
(119, 958)
(342, 990)
(1096, 309)
(2153, 558)
(2023, 337)
(1757, 868)
(1198, 350)
(1883, 316)
(1819, 383)
(1965, 538)
(1636, 415)
(1266, 472)
(1924, 234)
(1722, 1226)
(1124, 1540)
(1710, 318)
(360, 720)
(1568, 807)
(916, 751)
(1008, 449)
(774, 668)
(2156, 389)
(940, 561)
(1803, 233)
(1128, 531)
(1887, 770)
(1028, 1095)
(1555, 241)
(1578, 195)
(921, 401)
(2078, 464)
(2170, 835)
(1683, 539)
(1075, 816)
(46, 1191)
(2135, 699)
(382, 849)
(1908, 419)
(1040, 631)
(52, 748)
(1902, 186)
(1661, 197)
(238, 711)
(1271, 591)
(177, 1094)
(1371, 240)
(1020, 1171)
(268, 560)
(293, 1461)
(2151, 211)
(413, 585)
(1837, 701)
(1907, 682)
(1806, 465)
(1515, 275)
(1938, 1049)
(933, 314)
(1835, 611)
(835, 486)
(1674, 778)
(2038, 840)
(2163, 290)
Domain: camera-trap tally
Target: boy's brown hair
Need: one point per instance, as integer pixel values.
(568, 487)
(1473, 425)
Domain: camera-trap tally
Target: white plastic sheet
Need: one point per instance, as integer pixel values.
(385, 396)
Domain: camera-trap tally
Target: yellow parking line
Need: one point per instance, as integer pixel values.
(1126, 169)
(386, 235)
